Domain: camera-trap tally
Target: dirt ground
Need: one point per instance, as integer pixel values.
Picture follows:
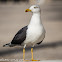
(13, 18)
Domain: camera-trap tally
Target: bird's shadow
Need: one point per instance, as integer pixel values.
(42, 46)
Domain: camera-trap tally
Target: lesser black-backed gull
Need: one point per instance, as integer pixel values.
(32, 34)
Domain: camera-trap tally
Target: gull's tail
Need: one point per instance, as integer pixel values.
(8, 45)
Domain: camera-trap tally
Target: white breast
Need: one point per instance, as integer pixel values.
(35, 30)
(34, 35)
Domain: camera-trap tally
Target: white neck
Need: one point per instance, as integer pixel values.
(35, 19)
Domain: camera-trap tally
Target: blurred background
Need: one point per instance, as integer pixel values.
(13, 18)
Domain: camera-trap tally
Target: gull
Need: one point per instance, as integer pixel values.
(32, 34)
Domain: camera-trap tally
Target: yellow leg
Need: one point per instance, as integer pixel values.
(23, 53)
(32, 52)
(32, 55)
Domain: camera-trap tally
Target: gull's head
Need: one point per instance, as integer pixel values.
(34, 9)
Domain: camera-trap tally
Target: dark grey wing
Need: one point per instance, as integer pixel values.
(20, 36)
(39, 42)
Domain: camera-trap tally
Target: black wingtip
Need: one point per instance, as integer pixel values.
(3, 45)
(6, 45)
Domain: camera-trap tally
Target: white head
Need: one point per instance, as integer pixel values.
(34, 9)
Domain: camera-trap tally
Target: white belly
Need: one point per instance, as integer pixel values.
(34, 35)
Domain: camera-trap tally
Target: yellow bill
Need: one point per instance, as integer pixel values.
(27, 10)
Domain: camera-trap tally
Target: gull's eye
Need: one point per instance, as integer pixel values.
(35, 7)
